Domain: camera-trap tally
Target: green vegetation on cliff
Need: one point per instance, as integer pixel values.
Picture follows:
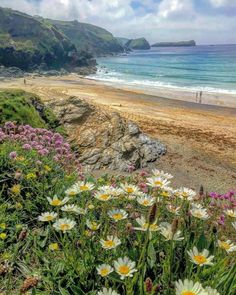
(172, 44)
(87, 37)
(28, 42)
(25, 108)
(138, 44)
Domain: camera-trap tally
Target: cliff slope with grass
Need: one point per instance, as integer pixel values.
(27, 42)
(89, 38)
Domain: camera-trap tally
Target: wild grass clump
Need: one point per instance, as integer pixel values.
(65, 233)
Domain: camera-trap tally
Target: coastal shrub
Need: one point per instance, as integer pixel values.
(65, 233)
(26, 108)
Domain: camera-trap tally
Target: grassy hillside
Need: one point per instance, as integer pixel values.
(140, 43)
(25, 108)
(87, 37)
(27, 42)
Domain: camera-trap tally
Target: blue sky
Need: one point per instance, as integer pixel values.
(206, 21)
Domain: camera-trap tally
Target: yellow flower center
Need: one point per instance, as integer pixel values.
(165, 194)
(188, 293)
(72, 194)
(198, 214)
(225, 245)
(117, 216)
(16, 189)
(64, 226)
(104, 197)
(94, 226)
(129, 190)
(153, 227)
(109, 244)
(49, 218)
(84, 187)
(231, 214)
(200, 259)
(124, 269)
(158, 183)
(145, 202)
(56, 202)
(54, 246)
(104, 272)
(184, 194)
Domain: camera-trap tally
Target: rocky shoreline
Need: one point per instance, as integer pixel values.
(14, 72)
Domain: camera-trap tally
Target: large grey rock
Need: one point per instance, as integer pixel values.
(105, 140)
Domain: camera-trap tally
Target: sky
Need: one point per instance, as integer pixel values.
(205, 21)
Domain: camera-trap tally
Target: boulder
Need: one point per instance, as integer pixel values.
(105, 140)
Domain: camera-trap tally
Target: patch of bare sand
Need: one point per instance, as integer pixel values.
(201, 139)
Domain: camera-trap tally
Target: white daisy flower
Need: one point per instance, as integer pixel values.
(104, 270)
(188, 287)
(70, 208)
(173, 209)
(47, 216)
(92, 225)
(199, 212)
(71, 192)
(110, 243)
(103, 196)
(146, 200)
(200, 258)
(116, 192)
(57, 202)
(117, 214)
(144, 225)
(167, 192)
(166, 231)
(82, 186)
(106, 291)
(228, 246)
(211, 291)
(162, 174)
(185, 193)
(64, 224)
(231, 213)
(130, 189)
(158, 182)
(124, 267)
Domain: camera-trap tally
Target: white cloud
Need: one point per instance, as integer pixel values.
(166, 20)
(168, 8)
(223, 3)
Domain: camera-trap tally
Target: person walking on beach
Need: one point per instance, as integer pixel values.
(25, 82)
(197, 96)
(200, 97)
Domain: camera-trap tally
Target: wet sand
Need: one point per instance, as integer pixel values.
(201, 138)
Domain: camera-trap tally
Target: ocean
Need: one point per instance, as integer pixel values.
(210, 68)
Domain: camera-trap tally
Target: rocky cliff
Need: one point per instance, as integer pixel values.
(137, 44)
(105, 140)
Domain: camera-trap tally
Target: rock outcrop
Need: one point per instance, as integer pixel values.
(105, 140)
(137, 44)
(175, 44)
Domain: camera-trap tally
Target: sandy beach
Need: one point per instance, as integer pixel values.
(201, 138)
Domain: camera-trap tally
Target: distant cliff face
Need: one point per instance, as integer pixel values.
(27, 42)
(173, 44)
(138, 44)
(90, 38)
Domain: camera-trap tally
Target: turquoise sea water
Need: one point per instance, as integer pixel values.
(207, 68)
